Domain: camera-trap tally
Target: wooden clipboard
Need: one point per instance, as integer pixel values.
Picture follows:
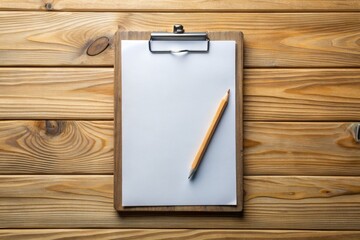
(135, 35)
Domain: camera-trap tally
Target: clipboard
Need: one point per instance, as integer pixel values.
(179, 34)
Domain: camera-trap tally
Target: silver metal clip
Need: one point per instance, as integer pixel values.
(179, 34)
(357, 133)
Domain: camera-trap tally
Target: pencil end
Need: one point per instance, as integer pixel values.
(228, 91)
(191, 173)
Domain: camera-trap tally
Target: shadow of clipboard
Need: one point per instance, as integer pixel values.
(210, 36)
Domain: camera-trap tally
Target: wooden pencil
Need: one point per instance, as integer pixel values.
(210, 132)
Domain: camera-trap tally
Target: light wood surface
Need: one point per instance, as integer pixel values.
(270, 94)
(271, 148)
(270, 203)
(140, 35)
(298, 148)
(56, 93)
(301, 88)
(302, 94)
(50, 146)
(179, 234)
(180, 5)
(271, 39)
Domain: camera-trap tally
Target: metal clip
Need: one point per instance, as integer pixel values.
(357, 133)
(179, 34)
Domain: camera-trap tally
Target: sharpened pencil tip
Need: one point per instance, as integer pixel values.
(228, 91)
(191, 173)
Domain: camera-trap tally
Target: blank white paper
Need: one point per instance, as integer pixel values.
(168, 102)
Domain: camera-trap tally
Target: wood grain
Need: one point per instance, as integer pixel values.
(270, 203)
(270, 94)
(56, 93)
(300, 149)
(323, 37)
(56, 147)
(302, 94)
(271, 39)
(178, 5)
(179, 234)
(128, 35)
(63, 147)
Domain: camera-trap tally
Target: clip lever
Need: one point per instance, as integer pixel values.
(179, 34)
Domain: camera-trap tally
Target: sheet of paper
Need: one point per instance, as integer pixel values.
(168, 102)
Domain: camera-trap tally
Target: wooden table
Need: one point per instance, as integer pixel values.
(302, 93)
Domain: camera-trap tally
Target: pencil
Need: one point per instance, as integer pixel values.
(210, 132)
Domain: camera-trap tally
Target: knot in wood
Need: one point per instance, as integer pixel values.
(53, 128)
(48, 6)
(325, 191)
(98, 46)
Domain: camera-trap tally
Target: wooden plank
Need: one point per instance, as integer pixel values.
(180, 234)
(56, 147)
(234, 36)
(178, 5)
(270, 203)
(300, 149)
(56, 93)
(270, 94)
(271, 39)
(302, 94)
